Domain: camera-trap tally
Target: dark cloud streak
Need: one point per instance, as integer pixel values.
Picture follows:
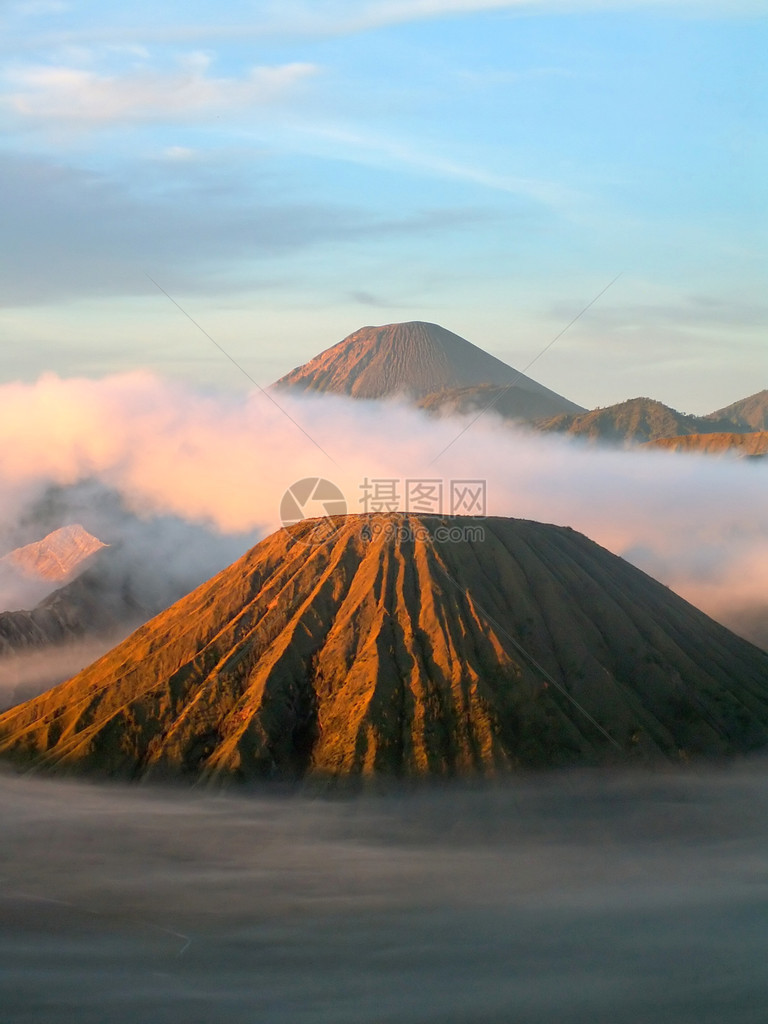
(75, 233)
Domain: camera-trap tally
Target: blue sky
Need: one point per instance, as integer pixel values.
(289, 172)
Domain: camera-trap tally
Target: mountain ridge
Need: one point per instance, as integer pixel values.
(753, 445)
(444, 374)
(747, 414)
(634, 421)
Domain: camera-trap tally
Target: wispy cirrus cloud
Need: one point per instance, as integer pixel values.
(262, 19)
(410, 10)
(37, 8)
(78, 233)
(382, 13)
(415, 155)
(189, 90)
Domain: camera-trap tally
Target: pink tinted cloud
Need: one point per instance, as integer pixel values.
(698, 524)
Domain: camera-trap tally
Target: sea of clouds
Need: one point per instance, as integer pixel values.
(212, 470)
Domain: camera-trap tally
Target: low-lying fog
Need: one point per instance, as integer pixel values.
(570, 897)
(29, 673)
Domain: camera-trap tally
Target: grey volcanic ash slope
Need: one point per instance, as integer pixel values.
(388, 648)
(69, 628)
(415, 359)
(101, 600)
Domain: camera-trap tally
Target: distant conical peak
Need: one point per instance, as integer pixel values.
(415, 359)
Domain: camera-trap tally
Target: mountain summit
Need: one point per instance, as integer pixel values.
(55, 557)
(406, 645)
(415, 359)
(748, 414)
(30, 573)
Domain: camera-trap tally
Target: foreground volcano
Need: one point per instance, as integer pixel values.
(406, 645)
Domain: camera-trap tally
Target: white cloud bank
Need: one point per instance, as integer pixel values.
(67, 94)
(698, 524)
(340, 17)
